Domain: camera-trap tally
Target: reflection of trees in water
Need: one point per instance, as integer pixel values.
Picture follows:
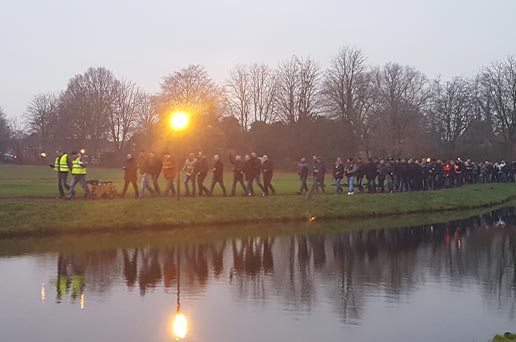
(342, 269)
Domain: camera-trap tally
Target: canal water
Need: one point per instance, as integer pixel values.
(452, 281)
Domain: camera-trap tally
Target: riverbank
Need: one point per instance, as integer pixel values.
(100, 241)
(19, 218)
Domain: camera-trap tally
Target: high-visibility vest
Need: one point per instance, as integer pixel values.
(77, 168)
(56, 164)
(63, 163)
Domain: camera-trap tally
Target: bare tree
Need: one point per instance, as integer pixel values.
(191, 89)
(348, 90)
(88, 103)
(452, 110)
(402, 93)
(147, 116)
(298, 90)
(499, 82)
(41, 118)
(123, 117)
(264, 87)
(481, 101)
(238, 90)
(5, 132)
(309, 91)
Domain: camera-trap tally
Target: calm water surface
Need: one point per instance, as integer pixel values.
(444, 282)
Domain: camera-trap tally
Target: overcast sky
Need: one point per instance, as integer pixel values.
(46, 42)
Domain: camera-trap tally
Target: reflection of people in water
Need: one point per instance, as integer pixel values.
(217, 252)
(169, 266)
(347, 262)
(252, 255)
(70, 276)
(150, 271)
(130, 267)
(268, 260)
(197, 261)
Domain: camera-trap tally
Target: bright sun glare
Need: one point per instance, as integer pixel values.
(179, 326)
(179, 121)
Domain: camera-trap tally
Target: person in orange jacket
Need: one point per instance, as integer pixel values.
(169, 170)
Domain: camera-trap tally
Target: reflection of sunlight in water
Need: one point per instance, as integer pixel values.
(179, 326)
(43, 293)
(82, 301)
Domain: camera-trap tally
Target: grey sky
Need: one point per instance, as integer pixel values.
(46, 42)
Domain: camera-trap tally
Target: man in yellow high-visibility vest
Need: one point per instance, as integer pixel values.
(62, 166)
(78, 175)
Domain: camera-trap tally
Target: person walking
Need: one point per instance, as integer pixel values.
(201, 171)
(169, 169)
(130, 175)
(189, 170)
(322, 175)
(350, 172)
(389, 177)
(370, 173)
(253, 167)
(78, 176)
(62, 166)
(155, 165)
(383, 171)
(267, 171)
(145, 171)
(218, 175)
(317, 177)
(359, 174)
(338, 175)
(302, 172)
(238, 173)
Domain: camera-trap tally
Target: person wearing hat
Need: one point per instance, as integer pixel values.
(78, 176)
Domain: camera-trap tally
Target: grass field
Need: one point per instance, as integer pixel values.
(27, 206)
(40, 181)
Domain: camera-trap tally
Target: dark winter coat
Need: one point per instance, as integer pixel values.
(238, 165)
(383, 170)
(130, 170)
(338, 171)
(201, 168)
(155, 165)
(302, 170)
(370, 170)
(218, 171)
(267, 168)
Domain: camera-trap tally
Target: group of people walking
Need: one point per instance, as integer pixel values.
(247, 172)
(373, 175)
(403, 175)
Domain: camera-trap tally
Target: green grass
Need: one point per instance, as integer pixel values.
(21, 214)
(40, 181)
(507, 337)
